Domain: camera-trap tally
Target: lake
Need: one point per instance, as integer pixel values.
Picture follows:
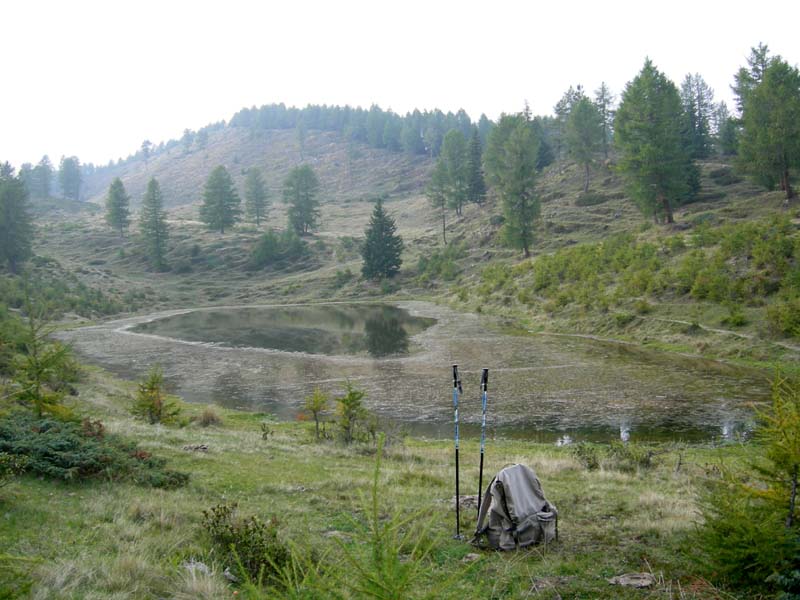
(546, 388)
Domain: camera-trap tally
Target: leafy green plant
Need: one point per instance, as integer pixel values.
(630, 457)
(588, 455)
(250, 544)
(152, 402)
(73, 451)
(11, 465)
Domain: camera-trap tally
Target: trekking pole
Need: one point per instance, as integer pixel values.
(484, 385)
(456, 393)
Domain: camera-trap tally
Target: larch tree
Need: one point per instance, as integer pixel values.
(69, 177)
(382, 246)
(698, 109)
(648, 132)
(436, 191)
(16, 228)
(604, 101)
(118, 206)
(153, 226)
(300, 189)
(221, 204)
(476, 186)
(42, 178)
(584, 135)
(770, 142)
(510, 160)
(453, 157)
(255, 196)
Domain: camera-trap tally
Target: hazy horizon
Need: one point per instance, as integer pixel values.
(95, 79)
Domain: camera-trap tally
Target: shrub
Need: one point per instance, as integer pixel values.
(587, 455)
(11, 465)
(783, 317)
(152, 402)
(441, 263)
(249, 544)
(71, 451)
(630, 457)
(342, 277)
(623, 319)
(278, 250)
(209, 417)
(591, 199)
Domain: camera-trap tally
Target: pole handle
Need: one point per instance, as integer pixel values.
(485, 379)
(456, 379)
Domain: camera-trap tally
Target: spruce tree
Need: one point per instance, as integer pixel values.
(300, 192)
(382, 246)
(16, 229)
(153, 226)
(255, 196)
(476, 186)
(698, 108)
(220, 208)
(648, 132)
(117, 206)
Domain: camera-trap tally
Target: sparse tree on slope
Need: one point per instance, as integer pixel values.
(698, 108)
(300, 192)
(770, 142)
(117, 206)
(16, 230)
(476, 186)
(511, 157)
(42, 178)
(69, 176)
(153, 226)
(255, 196)
(453, 157)
(747, 78)
(436, 191)
(648, 134)
(220, 208)
(382, 246)
(604, 101)
(584, 135)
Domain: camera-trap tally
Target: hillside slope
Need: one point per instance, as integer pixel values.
(347, 171)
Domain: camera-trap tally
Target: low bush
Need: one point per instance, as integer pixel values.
(71, 451)
(441, 264)
(591, 199)
(248, 544)
(630, 457)
(10, 466)
(278, 250)
(209, 418)
(588, 455)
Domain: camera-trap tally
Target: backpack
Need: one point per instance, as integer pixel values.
(518, 513)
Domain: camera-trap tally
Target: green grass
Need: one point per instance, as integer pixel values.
(116, 540)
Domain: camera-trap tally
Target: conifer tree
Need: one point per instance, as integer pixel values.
(42, 178)
(382, 246)
(584, 135)
(220, 208)
(604, 101)
(476, 186)
(117, 206)
(16, 229)
(255, 196)
(511, 157)
(648, 132)
(770, 142)
(300, 192)
(153, 226)
(698, 108)
(69, 177)
(453, 157)
(436, 191)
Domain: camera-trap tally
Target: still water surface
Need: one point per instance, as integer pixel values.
(541, 387)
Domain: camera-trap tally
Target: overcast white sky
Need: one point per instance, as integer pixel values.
(94, 79)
